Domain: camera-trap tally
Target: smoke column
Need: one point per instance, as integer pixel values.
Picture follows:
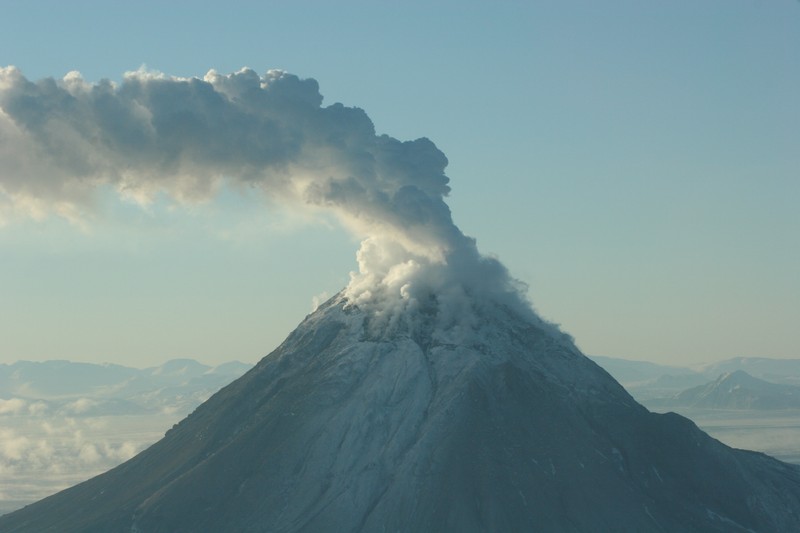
(151, 134)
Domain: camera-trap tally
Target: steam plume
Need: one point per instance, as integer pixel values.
(60, 140)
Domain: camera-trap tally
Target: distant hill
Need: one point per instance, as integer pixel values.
(781, 371)
(628, 371)
(646, 380)
(739, 390)
(59, 378)
(650, 381)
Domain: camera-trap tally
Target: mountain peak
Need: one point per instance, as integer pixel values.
(738, 377)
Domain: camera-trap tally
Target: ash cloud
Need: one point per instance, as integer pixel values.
(151, 134)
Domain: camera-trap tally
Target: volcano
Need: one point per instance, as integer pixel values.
(358, 424)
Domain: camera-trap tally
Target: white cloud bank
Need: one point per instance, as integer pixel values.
(42, 455)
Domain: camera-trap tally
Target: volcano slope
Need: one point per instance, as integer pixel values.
(359, 424)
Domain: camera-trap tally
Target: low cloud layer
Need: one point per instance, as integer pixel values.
(151, 134)
(40, 455)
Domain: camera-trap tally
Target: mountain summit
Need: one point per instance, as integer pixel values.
(361, 424)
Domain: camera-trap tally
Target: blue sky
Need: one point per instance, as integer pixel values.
(636, 163)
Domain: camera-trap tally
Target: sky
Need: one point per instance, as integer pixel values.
(634, 163)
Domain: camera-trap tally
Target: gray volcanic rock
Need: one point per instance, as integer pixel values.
(349, 426)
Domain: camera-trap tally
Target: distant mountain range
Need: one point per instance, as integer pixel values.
(85, 389)
(780, 371)
(737, 390)
(662, 385)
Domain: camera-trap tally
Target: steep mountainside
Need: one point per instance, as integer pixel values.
(356, 426)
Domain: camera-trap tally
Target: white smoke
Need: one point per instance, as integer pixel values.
(153, 134)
